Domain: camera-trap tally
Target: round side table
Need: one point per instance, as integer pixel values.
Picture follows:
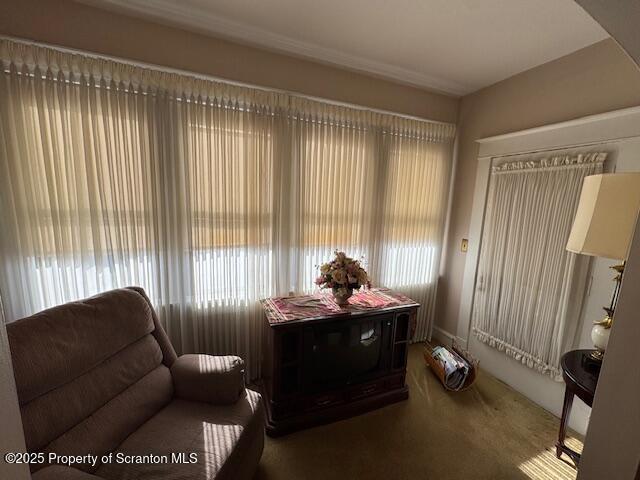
(580, 372)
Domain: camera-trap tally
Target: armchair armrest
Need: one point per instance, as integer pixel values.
(60, 472)
(208, 378)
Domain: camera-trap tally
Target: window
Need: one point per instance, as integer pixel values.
(417, 173)
(229, 187)
(335, 189)
(208, 195)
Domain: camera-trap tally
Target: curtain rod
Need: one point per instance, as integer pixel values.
(161, 68)
(572, 146)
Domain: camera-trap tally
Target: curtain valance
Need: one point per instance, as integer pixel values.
(60, 65)
(557, 161)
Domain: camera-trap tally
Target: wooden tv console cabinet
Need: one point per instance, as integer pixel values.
(291, 401)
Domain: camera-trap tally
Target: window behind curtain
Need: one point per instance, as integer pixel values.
(529, 288)
(335, 190)
(209, 196)
(75, 225)
(414, 209)
(229, 186)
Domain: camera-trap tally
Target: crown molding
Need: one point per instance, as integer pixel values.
(205, 22)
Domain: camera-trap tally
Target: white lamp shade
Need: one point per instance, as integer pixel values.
(606, 216)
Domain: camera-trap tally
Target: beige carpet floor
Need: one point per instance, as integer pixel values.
(487, 432)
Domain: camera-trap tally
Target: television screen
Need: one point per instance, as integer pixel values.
(345, 351)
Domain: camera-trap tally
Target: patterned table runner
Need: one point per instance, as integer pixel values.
(286, 309)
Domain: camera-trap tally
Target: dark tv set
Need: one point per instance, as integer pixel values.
(346, 352)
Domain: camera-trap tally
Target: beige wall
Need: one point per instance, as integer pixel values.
(74, 25)
(593, 80)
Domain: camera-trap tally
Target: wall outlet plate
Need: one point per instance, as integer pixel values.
(464, 245)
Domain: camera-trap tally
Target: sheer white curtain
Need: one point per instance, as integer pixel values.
(208, 195)
(416, 172)
(529, 289)
(374, 187)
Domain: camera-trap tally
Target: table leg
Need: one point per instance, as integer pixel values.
(564, 420)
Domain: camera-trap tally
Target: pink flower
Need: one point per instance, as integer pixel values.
(341, 272)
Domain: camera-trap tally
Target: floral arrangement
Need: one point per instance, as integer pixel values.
(342, 274)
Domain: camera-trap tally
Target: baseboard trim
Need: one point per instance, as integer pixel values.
(447, 338)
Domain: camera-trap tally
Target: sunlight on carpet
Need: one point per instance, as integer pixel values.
(547, 467)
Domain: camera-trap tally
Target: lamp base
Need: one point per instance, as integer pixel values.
(597, 355)
(600, 337)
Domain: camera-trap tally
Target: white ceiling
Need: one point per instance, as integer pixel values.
(454, 46)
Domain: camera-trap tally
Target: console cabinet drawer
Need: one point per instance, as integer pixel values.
(396, 381)
(367, 389)
(325, 400)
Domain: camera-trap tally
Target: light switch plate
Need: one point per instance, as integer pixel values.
(464, 245)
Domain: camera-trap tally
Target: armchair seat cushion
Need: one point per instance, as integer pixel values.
(207, 378)
(227, 441)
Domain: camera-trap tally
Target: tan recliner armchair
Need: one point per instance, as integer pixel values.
(100, 377)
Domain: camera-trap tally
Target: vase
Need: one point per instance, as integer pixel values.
(342, 295)
(600, 338)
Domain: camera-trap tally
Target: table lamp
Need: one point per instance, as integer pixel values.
(603, 227)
